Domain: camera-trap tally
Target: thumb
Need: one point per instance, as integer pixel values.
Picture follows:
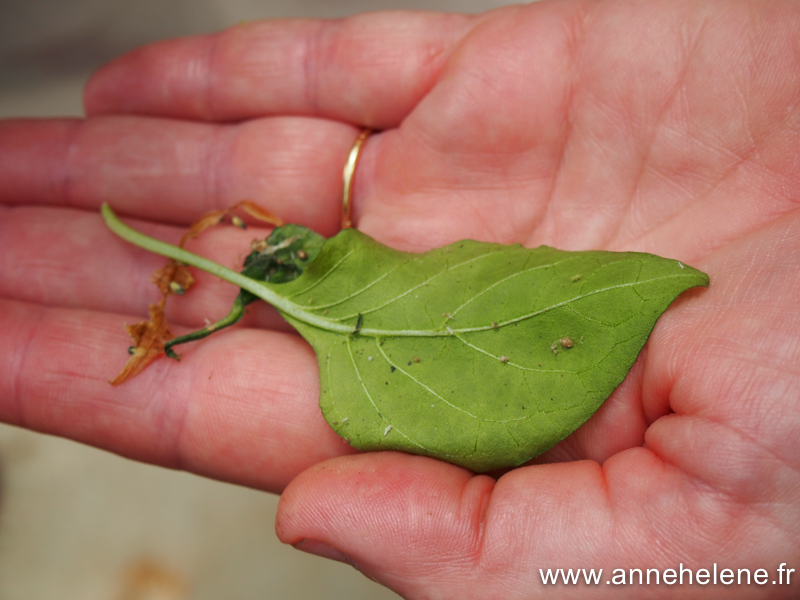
(427, 529)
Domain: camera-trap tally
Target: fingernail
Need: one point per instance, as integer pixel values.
(323, 550)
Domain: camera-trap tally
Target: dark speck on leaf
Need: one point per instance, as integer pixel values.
(409, 363)
(393, 368)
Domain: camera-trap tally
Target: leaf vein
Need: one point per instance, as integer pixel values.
(509, 363)
(397, 367)
(422, 385)
(423, 283)
(517, 274)
(356, 293)
(327, 274)
(371, 401)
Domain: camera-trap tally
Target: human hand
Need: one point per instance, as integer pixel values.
(581, 125)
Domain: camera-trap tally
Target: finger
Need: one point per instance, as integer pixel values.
(427, 529)
(395, 502)
(68, 258)
(176, 171)
(729, 354)
(369, 70)
(241, 408)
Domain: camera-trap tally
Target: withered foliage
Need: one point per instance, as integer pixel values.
(149, 337)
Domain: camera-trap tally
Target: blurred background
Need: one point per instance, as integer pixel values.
(78, 523)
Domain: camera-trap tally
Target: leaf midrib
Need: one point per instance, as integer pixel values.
(302, 314)
(450, 331)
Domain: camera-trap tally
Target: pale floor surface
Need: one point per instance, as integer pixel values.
(80, 524)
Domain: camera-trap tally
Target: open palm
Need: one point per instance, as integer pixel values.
(663, 127)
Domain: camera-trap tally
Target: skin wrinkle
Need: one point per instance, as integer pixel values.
(788, 195)
(707, 489)
(184, 423)
(429, 63)
(698, 201)
(675, 94)
(143, 280)
(436, 57)
(550, 201)
(612, 513)
(314, 61)
(742, 434)
(742, 159)
(68, 172)
(213, 165)
(576, 36)
(482, 563)
(717, 537)
(22, 355)
(208, 75)
(160, 385)
(747, 118)
(226, 144)
(478, 518)
(175, 422)
(721, 179)
(744, 354)
(705, 521)
(673, 547)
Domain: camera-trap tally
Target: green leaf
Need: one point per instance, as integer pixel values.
(483, 355)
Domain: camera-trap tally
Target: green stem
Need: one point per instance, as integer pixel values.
(233, 317)
(252, 286)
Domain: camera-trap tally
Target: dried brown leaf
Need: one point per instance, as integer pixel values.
(149, 338)
(207, 220)
(258, 213)
(215, 217)
(172, 272)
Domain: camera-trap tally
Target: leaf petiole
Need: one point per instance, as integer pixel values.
(254, 287)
